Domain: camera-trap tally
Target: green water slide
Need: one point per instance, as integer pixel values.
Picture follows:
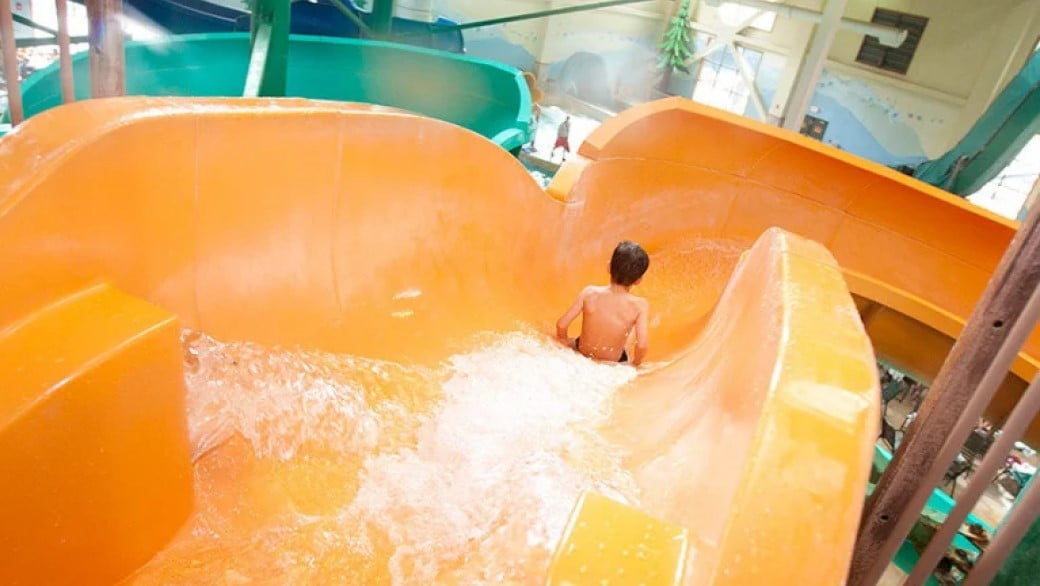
(1002, 131)
(488, 98)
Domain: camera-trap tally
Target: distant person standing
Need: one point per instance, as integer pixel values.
(536, 118)
(563, 133)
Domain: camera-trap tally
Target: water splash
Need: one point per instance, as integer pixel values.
(498, 466)
(320, 468)
(282, 401)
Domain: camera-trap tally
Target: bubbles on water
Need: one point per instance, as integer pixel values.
(281, 401)
(316, 467)
(499, 465)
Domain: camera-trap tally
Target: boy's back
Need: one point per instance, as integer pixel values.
(608, 318)
(611, 313)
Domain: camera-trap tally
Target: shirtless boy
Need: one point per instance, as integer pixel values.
(610, 313)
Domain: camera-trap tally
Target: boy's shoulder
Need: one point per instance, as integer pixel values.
(642, 302)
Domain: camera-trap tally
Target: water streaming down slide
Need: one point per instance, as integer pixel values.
(367, 393)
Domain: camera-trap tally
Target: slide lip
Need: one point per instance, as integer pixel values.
(99, 117)
(601, 138)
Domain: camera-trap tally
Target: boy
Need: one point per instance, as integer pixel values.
(610, 313)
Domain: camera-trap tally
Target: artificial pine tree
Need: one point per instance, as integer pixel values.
(675, 48)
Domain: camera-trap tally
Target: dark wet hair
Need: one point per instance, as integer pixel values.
(628, 264)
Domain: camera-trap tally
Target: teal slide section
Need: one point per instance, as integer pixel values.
(1009, 123)
(488, 98)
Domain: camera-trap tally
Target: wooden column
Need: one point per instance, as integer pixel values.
(107, 64)
(977, 363)
(10, 56)
(68, 89)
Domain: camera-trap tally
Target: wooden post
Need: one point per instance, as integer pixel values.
(107, 63)
(10, 56)
(980, 357)
(68, 89)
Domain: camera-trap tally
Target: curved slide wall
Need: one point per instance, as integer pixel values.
(293, 222)
(916, 258)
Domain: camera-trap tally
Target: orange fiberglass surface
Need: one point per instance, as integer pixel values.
(915, 257)
(152, 246)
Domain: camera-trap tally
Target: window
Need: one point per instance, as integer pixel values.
(719, 82)
(1007, 192)
(896, 59)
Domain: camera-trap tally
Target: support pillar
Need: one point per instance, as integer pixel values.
(10, 56)
(68, 89)
(382, 16)
(809, 73)
(107, 61)
(269, 59)
(785, 85)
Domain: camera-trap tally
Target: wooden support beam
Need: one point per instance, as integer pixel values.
(977, 363)
(68, 88)
(107, 60)
(10, 59)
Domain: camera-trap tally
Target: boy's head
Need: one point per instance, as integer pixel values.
(628, 264)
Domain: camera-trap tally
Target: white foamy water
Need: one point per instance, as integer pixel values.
(498, 465)
(387, 473)
(282, 401)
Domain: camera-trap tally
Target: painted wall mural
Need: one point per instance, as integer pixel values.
(881, 122)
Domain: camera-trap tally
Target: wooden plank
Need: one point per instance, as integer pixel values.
(107, 61)
(977, 363)
(10, 57)
(68, 90)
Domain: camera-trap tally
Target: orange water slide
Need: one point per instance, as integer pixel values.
(916, 258)
(368, 231)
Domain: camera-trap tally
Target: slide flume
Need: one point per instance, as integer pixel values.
(915, 257)
(398, 271)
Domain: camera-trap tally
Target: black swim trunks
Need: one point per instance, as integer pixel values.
(624, 353)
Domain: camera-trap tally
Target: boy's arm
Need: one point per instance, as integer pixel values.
(642, 333)
(569, 316)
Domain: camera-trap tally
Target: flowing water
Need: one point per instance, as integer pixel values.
(320, 468)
